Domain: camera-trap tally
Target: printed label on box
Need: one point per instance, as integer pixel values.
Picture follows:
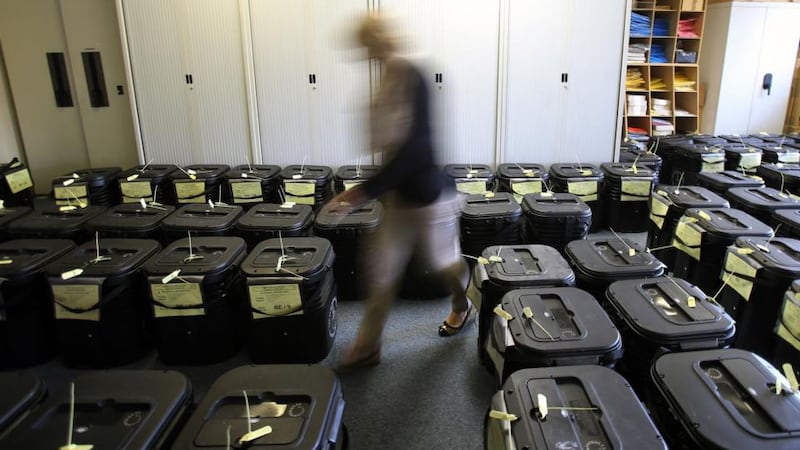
(471, 186)
(659, 205)
(790, 317)
(177, 295)
(635, 189)
(526, 187)
(750, 160)
(735, 264)
(275, 300)
(191, 191)
(712, 167)
(70, 192)
(300, 188)
(247, 192)
(132, 191)
(582, 188)
(80, 297)
(791, 158)
(19, 180)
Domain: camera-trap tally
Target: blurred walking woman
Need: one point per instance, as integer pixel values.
(422, 207)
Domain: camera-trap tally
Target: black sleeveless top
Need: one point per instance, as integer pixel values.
(412, 171)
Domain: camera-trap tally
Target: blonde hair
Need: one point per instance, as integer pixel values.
(376, 32)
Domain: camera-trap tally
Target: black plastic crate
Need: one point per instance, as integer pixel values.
(667, 205)
(292, 296)
(562, 326)
(522, 178)
(55, 222)
(249, 185)
(349, 176)
(131, 221)
(471, 178)
(554, 219)
(16, 189)
(98, 288)
(723, 399)
(761, 202)
(512, 267)
(139, 409)
(196, 290)
(96, 186)
(307, 185)
(702, 236)
(27, 328)
(756, 273)
(598, 262)
(587, 407)
(489, 219)
(197, 183)
(626, 196)
(664, 315)
(20, 393)
(200, 220)
(303, 404)
(352, 238)
(151, 183)
(584, 180)
(271, 220)
(720, 182)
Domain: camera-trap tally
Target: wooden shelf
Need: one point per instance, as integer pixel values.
(670, 95)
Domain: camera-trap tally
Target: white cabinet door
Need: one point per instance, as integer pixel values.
(220, 129)
(739, 68)
(781, 33)
(340, 95)
(159, 79)
(459, 40)
(188, 73)
(591, 117)
(282, 75)
(312, 85)
(534, 92)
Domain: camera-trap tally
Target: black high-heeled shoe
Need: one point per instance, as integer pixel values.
(446, 330)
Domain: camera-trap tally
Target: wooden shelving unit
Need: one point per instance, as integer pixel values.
(669, 87)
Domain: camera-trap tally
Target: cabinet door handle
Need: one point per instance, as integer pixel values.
(767, 83)
(60, 79)
(95, 80)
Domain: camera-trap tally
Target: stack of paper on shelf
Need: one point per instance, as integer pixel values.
(661, 107)
(637, 105)
(683, 83)
(662, 127)
(686, 28)
(657, 53)
(657, 84)
(637, 53)
(640, 24)
(634, 80)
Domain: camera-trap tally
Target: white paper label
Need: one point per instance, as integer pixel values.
(133, 191)
(471, 187)
(19, 180)
(526, 187)
(247, 192)
(176, 295)
(275, 300)
(191, 192)
(77, 297)
(635, 189)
